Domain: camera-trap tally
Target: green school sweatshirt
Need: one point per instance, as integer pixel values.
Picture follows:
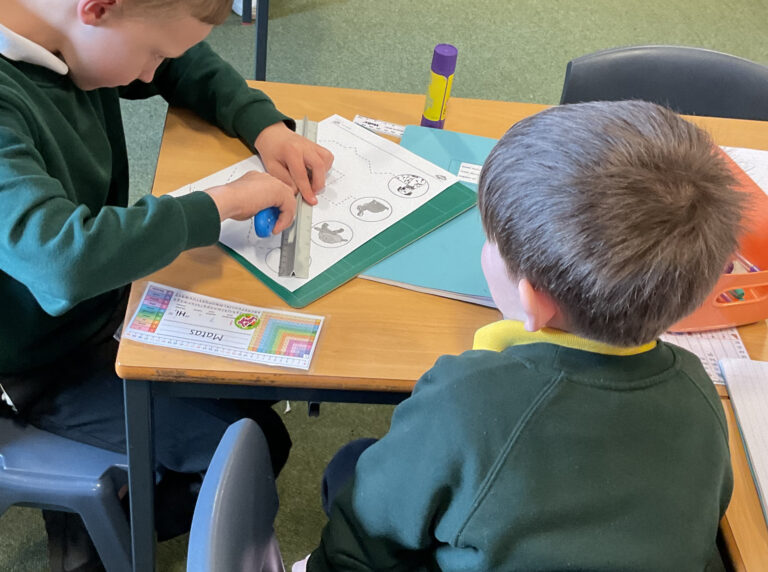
(541, 457)
(68, 240)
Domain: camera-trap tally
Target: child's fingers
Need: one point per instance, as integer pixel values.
(274, 191)
(326, 156)
(298, 170)
(319, 168)
(277, 170)
(285, 200)
(287, 214)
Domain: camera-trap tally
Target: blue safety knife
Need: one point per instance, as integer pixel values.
(265, 220)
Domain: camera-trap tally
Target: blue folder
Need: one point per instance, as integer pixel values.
(446, 261)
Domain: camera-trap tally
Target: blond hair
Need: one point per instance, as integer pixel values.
(212, 12)
(623, 212)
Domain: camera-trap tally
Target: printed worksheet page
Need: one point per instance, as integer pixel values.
(373, 184)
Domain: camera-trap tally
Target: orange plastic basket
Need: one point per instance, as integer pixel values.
(717, 313)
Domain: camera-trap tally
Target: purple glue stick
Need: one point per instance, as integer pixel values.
(440, 81)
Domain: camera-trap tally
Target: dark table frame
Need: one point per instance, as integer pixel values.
(262, 20)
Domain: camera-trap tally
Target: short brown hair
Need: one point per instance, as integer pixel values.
(212, 12)
(623, 212)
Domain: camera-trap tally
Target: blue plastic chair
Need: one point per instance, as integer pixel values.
(689, 80)
(42, 470)
(232, 525)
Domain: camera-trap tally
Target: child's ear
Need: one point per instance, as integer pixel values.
(93, 12)
(538, 306)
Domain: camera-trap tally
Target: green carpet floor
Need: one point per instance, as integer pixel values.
(508, 50)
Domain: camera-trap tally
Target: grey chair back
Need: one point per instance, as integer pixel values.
(232, 524)
(693, 81)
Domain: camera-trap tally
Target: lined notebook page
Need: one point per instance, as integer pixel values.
(747, 382)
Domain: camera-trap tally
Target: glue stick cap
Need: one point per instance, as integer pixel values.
(444, 59)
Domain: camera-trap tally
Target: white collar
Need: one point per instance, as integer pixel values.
(20, 49)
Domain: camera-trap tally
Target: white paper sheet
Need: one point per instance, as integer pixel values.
(747, 382)
(373, 184)
(754, 162)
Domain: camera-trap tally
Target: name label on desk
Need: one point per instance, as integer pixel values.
(378, 126)
(469, 173)
(184, 320)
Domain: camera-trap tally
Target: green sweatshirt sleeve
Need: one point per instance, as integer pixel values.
(201, 81)
(63, 251)
(385, 519)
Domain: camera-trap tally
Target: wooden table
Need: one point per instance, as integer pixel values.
(377, 339)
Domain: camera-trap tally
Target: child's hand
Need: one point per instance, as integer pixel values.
(291, 157)
(251, 193)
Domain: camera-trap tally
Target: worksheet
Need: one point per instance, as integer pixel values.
(754, 162)
(179, 319)
(373, 184)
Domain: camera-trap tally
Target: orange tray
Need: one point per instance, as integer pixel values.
(716, 313)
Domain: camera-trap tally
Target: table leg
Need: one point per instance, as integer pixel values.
(247, 11)
(141, 481)
(262, 21)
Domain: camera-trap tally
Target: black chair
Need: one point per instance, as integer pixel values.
(692, 81)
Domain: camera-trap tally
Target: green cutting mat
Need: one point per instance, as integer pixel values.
(450, 203)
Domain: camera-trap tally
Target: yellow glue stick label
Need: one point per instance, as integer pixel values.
(437, 96)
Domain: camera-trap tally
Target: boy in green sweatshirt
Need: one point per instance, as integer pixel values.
(570, 437)
(69, 242)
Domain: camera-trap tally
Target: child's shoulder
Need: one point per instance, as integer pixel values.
(686, 360)
(520, 360)
(12, 73)
(15, 92)
(484, 379)
(689, 365)
(479, 394)
(482, 363)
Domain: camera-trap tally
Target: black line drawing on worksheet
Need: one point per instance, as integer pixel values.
(338, 147)
(331, 234)
(332, 196)
(408, 186)
(370, 209)
(349, 127)
(272, 260)
(333, 176)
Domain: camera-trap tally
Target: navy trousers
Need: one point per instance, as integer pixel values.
(341, 469)
(83, 401)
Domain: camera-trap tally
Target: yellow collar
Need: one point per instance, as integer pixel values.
(505, 333)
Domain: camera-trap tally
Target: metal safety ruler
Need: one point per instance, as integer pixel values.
(297, 238)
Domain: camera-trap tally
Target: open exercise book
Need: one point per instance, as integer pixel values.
(378, 198)
(747, 382)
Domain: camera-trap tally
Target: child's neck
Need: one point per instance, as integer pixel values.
(36, 20)
(557, 322)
